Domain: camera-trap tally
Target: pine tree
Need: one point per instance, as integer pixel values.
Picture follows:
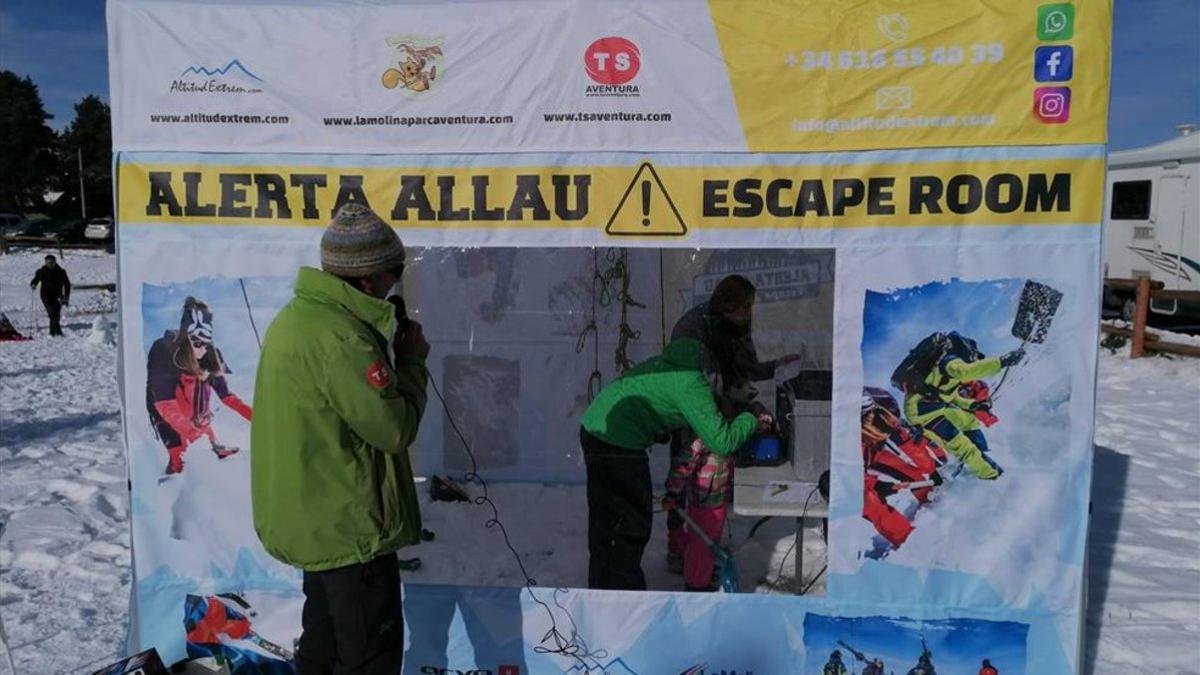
(27, 146)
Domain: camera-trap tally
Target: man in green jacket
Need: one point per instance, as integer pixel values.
(658, 396)
(332, 487)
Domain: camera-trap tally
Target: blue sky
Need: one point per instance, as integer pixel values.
(1156, 61)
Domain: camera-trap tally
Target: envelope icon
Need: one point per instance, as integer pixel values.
(893, 98)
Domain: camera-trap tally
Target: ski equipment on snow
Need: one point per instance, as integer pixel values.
(727, 575)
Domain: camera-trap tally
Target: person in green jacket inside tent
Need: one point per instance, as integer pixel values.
(331, 484)
(658, 396)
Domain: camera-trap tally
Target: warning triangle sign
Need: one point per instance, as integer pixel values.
(646, 209)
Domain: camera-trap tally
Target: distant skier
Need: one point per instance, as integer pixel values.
(924, 665)
(875, 667)
(834, 666)
(896, 458)
(183, 369)
(55, 291)
(944, 395)
(988, 669)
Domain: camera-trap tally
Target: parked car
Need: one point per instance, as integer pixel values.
(9, 222)
(99, 229)
(61, 230)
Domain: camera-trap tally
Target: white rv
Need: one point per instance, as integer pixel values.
(1152, 221)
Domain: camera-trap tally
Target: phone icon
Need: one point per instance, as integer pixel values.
(1056, 22)
(893, 26)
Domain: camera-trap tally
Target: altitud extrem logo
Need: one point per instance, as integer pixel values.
(416, 63)
(231, 78)
(612, 63)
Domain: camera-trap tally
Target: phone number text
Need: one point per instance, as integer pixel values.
(910, 57)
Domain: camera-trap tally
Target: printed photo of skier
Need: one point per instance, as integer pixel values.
(877, 645)
(950, 371)
(200, 341)
(221, 626)
(184, 369)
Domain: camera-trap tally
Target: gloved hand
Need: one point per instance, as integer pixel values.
(984, 406)
(1012, 358)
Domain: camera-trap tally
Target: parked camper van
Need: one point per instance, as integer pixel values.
(1152, 222)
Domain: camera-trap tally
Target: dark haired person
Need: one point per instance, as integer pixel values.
(55, 291)
(183, 369)
(331, 483)
(723, 325)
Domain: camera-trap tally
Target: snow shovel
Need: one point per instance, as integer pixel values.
(727, 576)
(1035, 311)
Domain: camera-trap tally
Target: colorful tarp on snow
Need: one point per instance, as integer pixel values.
(947, 156)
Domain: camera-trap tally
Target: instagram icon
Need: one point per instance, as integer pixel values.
(1052, 105)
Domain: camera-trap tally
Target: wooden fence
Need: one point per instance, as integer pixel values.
(1143, 340)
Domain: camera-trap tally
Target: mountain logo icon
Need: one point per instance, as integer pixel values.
(233, 65)
(615, 667)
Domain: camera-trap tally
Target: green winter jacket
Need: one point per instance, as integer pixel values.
(664, 394)
(330, 477)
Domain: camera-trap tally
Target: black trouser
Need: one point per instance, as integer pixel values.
(620, 512)
(352, 620)
(54, 310)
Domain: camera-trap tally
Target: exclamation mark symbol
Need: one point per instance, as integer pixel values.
(646, 203)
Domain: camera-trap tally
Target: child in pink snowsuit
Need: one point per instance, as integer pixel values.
(703, 480)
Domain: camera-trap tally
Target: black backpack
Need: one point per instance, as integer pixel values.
(909, 376)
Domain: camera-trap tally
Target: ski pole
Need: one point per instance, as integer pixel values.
(33, 310)
(913, 485)
(996, 391)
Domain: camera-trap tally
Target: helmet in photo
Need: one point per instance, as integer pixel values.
(196, 322)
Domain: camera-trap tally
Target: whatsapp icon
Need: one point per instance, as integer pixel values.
(1056, 22)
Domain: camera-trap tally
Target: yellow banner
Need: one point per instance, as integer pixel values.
(847, 74)
(626, 201)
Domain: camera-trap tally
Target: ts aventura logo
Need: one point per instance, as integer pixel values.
(612, 63)
(232, 78)
(415, 63)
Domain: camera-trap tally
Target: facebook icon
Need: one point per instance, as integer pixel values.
(1053, 63)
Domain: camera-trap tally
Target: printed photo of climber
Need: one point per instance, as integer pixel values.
(962, 401)
(878, 645)
(201, 340)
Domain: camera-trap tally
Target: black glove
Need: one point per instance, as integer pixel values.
(1012, 358)
(936, 477)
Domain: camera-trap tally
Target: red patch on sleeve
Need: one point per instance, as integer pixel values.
(377, 375)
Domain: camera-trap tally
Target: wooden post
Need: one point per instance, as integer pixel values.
(1138, 348)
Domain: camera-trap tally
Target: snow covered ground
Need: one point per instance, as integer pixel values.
(65, 559)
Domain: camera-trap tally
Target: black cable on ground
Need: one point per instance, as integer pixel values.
(799, 572)
(573, 646)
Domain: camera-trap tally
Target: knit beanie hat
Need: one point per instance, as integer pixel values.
(358, 244)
